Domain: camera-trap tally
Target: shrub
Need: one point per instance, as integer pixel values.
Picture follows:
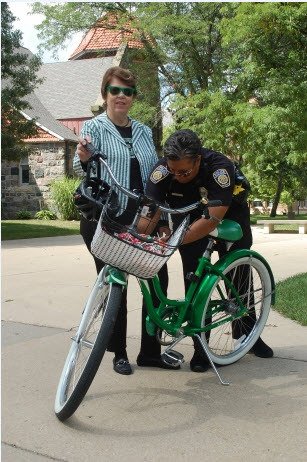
(45, 215)
(24, 215)
(62, 193)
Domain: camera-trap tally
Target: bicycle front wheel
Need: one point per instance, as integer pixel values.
(229, 340)
(88, 346)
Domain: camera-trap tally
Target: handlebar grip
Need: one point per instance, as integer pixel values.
(215, 203)
(95, 153)
(90, 148)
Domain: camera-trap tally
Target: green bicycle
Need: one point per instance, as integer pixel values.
(220, 299)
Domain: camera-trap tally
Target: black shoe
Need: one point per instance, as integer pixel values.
(147, 361)
(261, 349)
(199, 363)
(122, 366)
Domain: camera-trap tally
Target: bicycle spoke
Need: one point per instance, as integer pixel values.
(88, 347)
(228, 333)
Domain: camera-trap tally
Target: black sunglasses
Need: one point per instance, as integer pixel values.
(116, 90)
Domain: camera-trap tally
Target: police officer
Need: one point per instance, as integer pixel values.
(187, 173)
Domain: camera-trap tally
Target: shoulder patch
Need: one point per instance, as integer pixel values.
(158, 174)
(221, 177)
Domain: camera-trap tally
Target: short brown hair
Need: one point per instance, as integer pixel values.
(123, 74)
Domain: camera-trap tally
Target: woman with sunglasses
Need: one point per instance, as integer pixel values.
(131, 155)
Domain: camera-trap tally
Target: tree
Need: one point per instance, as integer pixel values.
(181, 38)
(18, 72)
(258, 115)
(235, 72)
(266, 43)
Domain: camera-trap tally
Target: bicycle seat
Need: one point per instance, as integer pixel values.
(228, 230)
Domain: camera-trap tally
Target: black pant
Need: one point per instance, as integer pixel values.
(117, 343)
(190, 254)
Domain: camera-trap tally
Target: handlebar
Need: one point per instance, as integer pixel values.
(96, 154)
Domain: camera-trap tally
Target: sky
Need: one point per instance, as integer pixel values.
(25, 23)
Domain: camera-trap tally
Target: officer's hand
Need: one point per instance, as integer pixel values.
(164, 233)
(83, 153)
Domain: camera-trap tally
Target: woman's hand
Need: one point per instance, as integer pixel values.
(83, 153)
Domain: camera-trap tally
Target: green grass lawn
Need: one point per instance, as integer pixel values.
(291, 296)
(254, 218)
(27, 229)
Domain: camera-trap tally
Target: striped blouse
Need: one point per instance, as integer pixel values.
(106, 138)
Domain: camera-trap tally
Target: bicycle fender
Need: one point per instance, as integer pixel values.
(210, 279)
(117, 277)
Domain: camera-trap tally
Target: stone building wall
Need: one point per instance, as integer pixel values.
(47, 162)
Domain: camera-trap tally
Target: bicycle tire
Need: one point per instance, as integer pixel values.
(231, 340)
(92, 337)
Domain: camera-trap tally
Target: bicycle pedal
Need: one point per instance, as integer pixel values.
(172, 357)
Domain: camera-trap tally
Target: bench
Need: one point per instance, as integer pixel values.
(268, 225)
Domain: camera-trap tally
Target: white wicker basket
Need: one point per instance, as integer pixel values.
(129, 258)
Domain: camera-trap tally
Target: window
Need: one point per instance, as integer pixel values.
(257, 203)
(24, 171)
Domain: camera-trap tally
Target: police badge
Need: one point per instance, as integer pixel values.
(158, 174)
(221, 177)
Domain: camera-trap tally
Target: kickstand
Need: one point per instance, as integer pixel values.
(205, 348)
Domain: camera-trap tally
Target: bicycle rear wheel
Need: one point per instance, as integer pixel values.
(229, 340)
(88, 346)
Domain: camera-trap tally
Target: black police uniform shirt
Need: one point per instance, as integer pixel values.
(214, 180)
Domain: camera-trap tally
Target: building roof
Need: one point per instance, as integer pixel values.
(103, 38)
(70, 88)
(52, 128)
(42, 137)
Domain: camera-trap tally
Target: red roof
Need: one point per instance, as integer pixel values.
(41, 136)
(103, 38)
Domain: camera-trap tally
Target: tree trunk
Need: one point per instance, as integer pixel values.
(277, 196)
(291, 214)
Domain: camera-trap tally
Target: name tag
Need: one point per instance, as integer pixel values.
(177, 194)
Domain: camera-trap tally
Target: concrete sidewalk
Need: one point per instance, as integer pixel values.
(152, 414)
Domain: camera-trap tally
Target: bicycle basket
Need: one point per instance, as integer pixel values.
(114, 245)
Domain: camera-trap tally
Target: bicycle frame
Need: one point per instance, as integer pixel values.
(191, 307)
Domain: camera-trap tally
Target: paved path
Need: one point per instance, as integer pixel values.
(152, 414)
